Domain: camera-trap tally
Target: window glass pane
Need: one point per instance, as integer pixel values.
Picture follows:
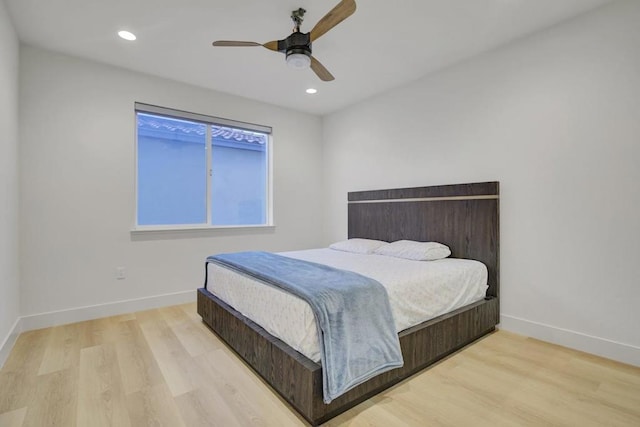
(171, 171)
(239, 182)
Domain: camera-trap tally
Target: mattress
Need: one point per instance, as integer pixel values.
(418, 291)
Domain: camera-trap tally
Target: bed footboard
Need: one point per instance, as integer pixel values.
(299, 380)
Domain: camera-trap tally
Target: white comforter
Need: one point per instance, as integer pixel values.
(418, 291)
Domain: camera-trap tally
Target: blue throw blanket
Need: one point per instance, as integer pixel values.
(356, 330)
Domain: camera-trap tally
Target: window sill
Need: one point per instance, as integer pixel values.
(153, 232)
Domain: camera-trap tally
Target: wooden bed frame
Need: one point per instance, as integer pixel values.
(463, 216)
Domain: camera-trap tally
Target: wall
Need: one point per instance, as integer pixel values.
(9, 287)
(77, 190)
(555, 118)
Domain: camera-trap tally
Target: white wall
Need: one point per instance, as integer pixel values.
(77, 188)
(556, 119)
(9, 288)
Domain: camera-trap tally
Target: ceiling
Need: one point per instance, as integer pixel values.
(382, 45)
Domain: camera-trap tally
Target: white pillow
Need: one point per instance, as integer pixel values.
(419, 251)
(358, 246)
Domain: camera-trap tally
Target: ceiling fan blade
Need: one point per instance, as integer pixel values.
(339, 13)
(272, 45)
(234, 43)
(320, 71)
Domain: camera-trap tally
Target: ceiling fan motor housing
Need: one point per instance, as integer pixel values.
(297, 42)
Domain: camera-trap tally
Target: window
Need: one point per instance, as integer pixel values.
(199, 171)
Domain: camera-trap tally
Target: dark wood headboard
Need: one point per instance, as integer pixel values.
(465, 217)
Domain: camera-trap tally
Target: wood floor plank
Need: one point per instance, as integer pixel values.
(154, 406)
(105, 330)
(138, 366)
(63, 349)
(165, 367)
(194, 336)
(169, 353)
(28, 351)
(18, 376)
(624, 398)
(13, 418)
(428, 398)
(101, 399)
(15, 389)
(191, 310)
(242, 391)
(53, 401)
(197, 410)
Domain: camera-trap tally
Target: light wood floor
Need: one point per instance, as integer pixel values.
(165, 368)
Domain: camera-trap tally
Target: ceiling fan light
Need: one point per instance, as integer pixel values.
(298, 60)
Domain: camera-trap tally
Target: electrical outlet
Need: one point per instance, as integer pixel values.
(120, 273)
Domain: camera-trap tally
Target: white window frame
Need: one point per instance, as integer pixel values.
(208, 120)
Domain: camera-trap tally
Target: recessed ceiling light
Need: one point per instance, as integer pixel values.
(311, 90)
(127, 35)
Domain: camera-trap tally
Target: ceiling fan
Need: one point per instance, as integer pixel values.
(297, 47)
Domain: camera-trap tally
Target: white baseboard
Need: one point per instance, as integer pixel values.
(621, 352)
(79, 314)
(9, 341)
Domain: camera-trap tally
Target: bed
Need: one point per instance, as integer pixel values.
(465, 217)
